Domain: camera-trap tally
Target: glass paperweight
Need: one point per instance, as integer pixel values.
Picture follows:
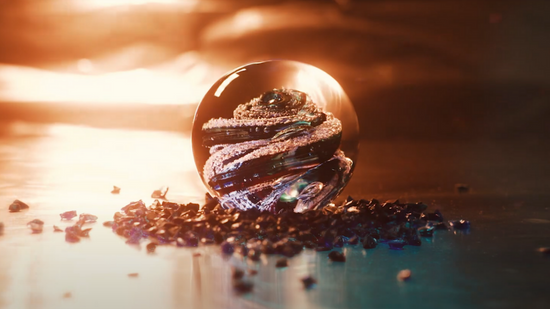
(275, 135)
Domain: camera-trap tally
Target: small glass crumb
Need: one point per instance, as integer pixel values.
(404, 275)
(116, 190)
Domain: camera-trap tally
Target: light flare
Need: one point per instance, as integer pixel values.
(142, 85)
(97, 4)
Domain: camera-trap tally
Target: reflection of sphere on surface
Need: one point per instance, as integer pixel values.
(275, 134)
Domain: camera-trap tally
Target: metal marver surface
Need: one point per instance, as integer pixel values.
(55, 168)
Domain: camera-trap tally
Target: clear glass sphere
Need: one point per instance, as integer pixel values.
(275, 135)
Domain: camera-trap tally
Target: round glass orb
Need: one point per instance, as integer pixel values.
(275, 135)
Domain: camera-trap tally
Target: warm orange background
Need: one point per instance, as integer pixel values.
(441, 69)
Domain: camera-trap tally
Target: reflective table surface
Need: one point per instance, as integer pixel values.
(56, 168)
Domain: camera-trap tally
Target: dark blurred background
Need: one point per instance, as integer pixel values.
(418, 69)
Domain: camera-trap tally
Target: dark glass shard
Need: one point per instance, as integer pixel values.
(68, 215)
(151, 247)
(242, 286)
(87, 218)
(85, 233)
(397, 244)
(338, 242)
(227, 247)
(17, 206)
(160, 193)
(336, 256)
(413, 240)
(426, 231)
(282, 262)
(460, 224)
(369, 242)
(237, 273)
(404, 275)
(309, 282)
(36, 226)
(72, 238)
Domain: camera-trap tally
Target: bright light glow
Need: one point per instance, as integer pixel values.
(112, 3)
(85, 66)
(74, 168)
(248, 20)
(151, 86)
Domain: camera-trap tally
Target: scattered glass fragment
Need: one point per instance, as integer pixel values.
(251, 233)
(71, 237)
(238, 273)
(74, 232)
(151, 247)
(336, 256)
(68, 215)
(460, 224)
(189, 239)
(353, 240)
(404, 275)
(17, 206)
(242, 286)
(282, 262)
(413, 240)
(116, 190)
(134, 235)
(36, 226)
(309, 282)
(227, 247)
(338, 242)
(254, 254)
(397, 244)
(160, 193)
(369, 242)
(209, 202)
(74, 229)
(85, 233)
(433, 216)
(57, 229)
(426, 231)
(108, 223)
(440, 226)
(87, 218)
